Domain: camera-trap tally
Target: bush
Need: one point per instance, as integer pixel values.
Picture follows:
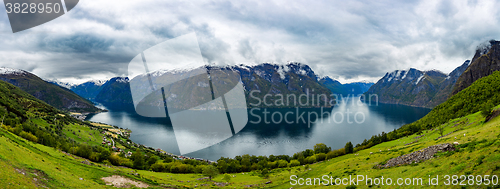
(227, 178)
(28, 136)
(320, 156)
(311, 159)
(294, 163)
(282, 163)
(94, 157)
(84, 150)
(114, 159)
(199, 169)
(158, 167)
(335, 153)
(264, 173)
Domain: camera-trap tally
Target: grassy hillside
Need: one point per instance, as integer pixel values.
(26, 163)
(477, 155)
(52, 94)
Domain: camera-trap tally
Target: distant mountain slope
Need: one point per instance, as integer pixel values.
(115, 91)
(272, 79)
(485, 62)
(416, 88)
(446, 86)
(347, 89)
(482, 93)
(52, 94)
(292, 78)
(89, 89)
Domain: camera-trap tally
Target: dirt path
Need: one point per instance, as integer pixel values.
(119, 181)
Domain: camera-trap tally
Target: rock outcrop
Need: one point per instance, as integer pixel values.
(418, 156)
(485, 62)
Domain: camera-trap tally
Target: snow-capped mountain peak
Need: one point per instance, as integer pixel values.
(122, 79)
(10, 71)
(98, 82)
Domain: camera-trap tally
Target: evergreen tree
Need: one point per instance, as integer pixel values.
(349, 148)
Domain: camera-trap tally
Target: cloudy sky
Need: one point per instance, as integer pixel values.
(347, 40)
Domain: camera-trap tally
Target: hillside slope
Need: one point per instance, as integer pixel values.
(477, 153)
(115, 91)
(88, 90)
(52, 94)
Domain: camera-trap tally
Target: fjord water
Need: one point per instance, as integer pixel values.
(350, 120)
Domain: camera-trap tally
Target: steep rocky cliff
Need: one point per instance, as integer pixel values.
(485, 62)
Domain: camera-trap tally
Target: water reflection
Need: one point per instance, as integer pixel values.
(350, 120)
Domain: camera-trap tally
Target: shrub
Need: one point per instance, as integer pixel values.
(320, 156)
(158, 167)
(227, 178)
(28, 136)
(311, 159)
(294, 163)
(282, 163)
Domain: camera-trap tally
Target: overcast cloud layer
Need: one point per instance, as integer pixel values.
(346, 40)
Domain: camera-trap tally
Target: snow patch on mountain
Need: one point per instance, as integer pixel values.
(9, 71)
(467, 62)
(98, 82)
(397, 75)
(122, 80)
(281, 72)
(66, 85)
(419, 79)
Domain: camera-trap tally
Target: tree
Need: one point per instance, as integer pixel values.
(321, 148)
(227, 178)
(486, 109)
(104, 155)
(441, 130)
(320, 156)
(138, 159)
(349, 148)
(264, 173)
(210, 171)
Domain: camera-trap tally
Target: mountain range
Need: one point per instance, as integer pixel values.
(413, 87)
(344, 90)
(292, 78)
(87, 90)
(430, 88)
(407, 87)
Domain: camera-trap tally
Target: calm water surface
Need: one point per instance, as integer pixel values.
(350, 120)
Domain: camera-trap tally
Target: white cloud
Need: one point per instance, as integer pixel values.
(345, 40)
